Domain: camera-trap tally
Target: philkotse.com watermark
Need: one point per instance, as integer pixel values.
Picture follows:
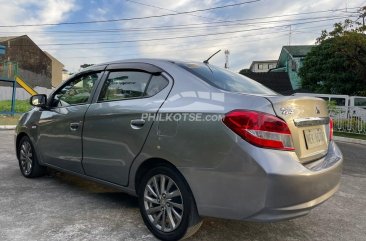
(187, 116)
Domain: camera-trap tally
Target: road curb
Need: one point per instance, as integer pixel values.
(7, 127)
(349, 140)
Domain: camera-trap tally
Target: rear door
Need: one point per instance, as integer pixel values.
(119, 120)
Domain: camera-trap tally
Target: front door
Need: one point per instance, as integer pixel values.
(61, 125)
(115, 128)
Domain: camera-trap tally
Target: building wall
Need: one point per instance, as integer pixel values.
(6, 93)
(56, 73)
(57, 68)
(262, 67)
(33, 64)
(293, 66)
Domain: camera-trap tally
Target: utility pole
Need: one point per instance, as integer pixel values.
(227, 52)
(289, 36)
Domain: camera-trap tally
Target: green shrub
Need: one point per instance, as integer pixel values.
(20, 106)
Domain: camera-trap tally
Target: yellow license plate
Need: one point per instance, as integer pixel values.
(314, 137)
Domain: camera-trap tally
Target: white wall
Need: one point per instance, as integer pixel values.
(6, 92)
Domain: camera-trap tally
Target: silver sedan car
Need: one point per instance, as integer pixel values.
(190, 139)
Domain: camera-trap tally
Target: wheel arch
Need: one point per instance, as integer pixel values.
(17, 140)
(150, 163)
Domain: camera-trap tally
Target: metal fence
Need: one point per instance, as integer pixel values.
(349, 119)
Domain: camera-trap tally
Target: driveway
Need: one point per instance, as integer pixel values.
(63, 207)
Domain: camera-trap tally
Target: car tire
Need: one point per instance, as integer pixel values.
(27, 158)
(167, 205)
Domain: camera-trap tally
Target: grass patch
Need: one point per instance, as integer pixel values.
(21, 106)
(350, 135)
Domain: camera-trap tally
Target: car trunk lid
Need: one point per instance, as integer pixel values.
(308, 121)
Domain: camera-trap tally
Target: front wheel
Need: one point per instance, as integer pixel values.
(167, 205)
(28, 162)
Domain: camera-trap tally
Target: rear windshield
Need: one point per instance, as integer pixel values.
(225, 79)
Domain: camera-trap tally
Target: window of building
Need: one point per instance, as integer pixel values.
(260, 66)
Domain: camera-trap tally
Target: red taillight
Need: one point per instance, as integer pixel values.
(260, 129)
(330, 129)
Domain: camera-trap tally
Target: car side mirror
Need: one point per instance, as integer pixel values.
(38, 100)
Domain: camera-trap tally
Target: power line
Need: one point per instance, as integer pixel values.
(186, 49)
(119, 46)
(170, 10)
(182, 37)
(129, 19)
(198, 24)
(178, 37)
(144, 30)
(206, 41)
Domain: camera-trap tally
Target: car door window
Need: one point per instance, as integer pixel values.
(157, 84)
(77, 91)
(124, 85)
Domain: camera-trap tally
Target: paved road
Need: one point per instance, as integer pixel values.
(64, 207)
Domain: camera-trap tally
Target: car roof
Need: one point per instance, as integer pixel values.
(154, 61)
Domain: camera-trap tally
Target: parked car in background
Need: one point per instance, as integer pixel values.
(190, 139)
(347, 107)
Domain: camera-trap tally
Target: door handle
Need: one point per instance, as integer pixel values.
(137, 124)
(74, 126)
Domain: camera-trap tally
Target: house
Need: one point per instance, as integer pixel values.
(23, 57)
(280, 75)
(290, 61)
(262, 66)
(277, 81)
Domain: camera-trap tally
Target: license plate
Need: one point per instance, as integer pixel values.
(314, 137)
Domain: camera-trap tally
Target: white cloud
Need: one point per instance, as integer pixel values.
(244, 46)
(34, 12)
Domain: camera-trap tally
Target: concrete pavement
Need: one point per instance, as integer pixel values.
(63, 207)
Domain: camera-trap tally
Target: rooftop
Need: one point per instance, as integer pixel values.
(4, 39)
(298, 50)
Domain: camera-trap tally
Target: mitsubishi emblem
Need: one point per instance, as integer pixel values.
(317, 111)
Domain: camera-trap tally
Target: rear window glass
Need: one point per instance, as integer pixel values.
(225, 79)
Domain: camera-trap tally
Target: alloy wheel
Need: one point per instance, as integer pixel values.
(163, 203)
(26, 157)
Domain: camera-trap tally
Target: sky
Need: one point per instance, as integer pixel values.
(98, 31)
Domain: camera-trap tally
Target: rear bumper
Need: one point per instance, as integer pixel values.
(289, 212)
(266, 185)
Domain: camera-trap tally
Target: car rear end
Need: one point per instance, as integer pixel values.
(282, 161)
(301, 161)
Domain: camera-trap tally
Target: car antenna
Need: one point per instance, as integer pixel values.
(206, 61)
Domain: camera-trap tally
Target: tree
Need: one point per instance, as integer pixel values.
(83, 66)
(337, 64)
(244, 71)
